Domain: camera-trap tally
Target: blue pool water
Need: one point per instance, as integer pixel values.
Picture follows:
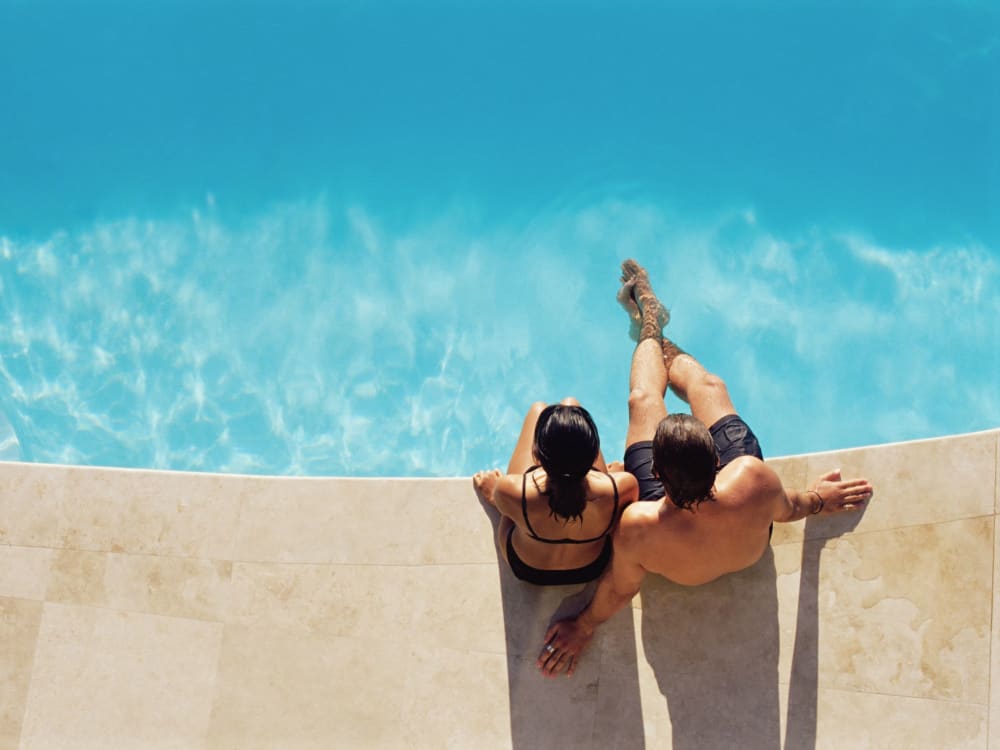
(332, 239)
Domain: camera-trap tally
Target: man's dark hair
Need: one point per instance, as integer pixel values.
(685, 460)
(566, 444)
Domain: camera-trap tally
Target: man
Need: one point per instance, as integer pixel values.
(715, 500)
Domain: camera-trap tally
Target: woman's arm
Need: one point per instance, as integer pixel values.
(566, 640)
(628, 488)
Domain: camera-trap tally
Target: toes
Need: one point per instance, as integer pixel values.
(630, 269)
(626, 298)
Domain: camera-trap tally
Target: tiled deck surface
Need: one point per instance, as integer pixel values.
(163, 610)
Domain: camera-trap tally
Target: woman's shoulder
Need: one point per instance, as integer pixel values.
(510, 486)
(628, 485)
(625, 483)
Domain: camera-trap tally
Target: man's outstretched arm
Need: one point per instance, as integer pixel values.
(829, 494)
(566, 640)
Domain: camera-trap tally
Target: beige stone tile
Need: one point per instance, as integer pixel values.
(995, 629)
(283, 689)
(310, 599)
(797, 571)
(996, 479)
(77, 577)
(116, 679)
(619, 717)
(657, 728)
(907, 612)
(475, 707)
(433, 605)
(19, 622)
(93, 509)
(419, 522)
(376, 601)
(450, 522)
(166, 513)
(171, 586)
(24, 571)
(31, 504)
(915, 483)
(547, 712)
(529, 610)
(151, 584)
(708, 660)
(846, 719)
(462, 607)
(793, 473)
(994, 739)
(280, 689)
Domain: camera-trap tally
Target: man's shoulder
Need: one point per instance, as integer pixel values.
(747, 473)
(641, 513)
(639, 521)
(746, 481)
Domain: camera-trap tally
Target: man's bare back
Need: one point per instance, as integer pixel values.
(692, 547)
(700, 522)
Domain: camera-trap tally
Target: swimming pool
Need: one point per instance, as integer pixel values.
(331, 239)
(319, 340)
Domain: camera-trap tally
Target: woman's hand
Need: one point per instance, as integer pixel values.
(486, 483)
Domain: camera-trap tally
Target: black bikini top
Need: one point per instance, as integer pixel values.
(531, 531)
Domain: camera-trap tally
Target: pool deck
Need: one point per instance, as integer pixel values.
(144, 609)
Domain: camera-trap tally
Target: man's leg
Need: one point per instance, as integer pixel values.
(704, 392)
(647, 384)
(647, 380)
(648, 376)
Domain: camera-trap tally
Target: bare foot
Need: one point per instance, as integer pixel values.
(653, 316)
(485, 482)
(626, 300)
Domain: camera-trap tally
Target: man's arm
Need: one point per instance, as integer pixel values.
(566, 640)
(829, 494)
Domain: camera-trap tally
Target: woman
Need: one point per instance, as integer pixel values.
(558, 500)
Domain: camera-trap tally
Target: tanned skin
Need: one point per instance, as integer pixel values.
(715, 537)
(503, 491)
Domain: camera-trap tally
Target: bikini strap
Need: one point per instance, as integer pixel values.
(614, 511)
(531, 531)
(524, 501)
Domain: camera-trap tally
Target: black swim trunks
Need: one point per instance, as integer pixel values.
(732, 437)
(639, 463)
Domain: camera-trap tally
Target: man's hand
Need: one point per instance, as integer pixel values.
(565, 641)
(833, 494)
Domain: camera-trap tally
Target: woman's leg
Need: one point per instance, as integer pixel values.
(521, 459)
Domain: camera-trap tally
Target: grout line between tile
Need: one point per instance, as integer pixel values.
(868, 532)
(951, 701)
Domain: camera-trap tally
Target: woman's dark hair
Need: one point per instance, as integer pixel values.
(685, 460)
(566, 445)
